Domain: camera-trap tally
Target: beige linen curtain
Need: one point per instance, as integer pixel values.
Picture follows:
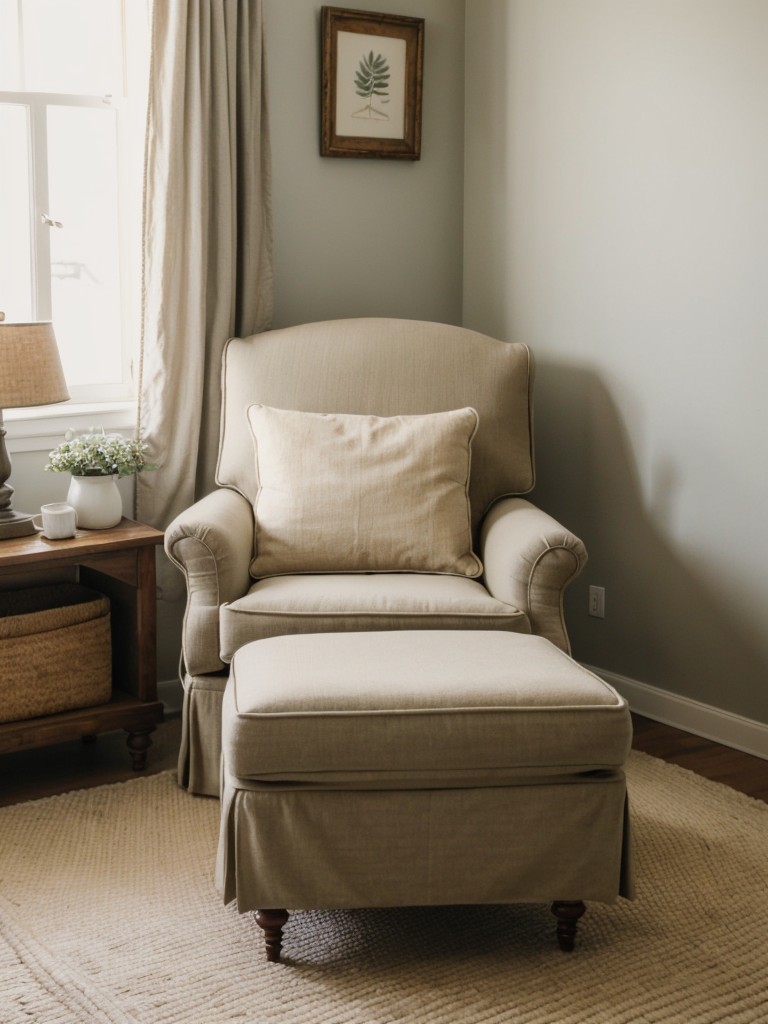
(207, 267)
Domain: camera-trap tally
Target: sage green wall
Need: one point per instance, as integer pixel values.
(616, 219)
(366, 237)
(351, 237)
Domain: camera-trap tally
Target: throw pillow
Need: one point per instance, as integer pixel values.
(350, 493)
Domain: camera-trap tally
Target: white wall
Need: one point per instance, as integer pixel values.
(364, 237)
(616, 220)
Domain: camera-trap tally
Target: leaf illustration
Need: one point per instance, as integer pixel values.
(372, 76)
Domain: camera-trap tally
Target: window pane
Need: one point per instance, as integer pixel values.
(72, 46)
(10, 70)
(15, 214)
(85, 273)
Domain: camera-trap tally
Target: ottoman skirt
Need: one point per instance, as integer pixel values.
(420, 768)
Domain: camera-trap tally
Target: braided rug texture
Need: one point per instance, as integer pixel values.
(108, 915)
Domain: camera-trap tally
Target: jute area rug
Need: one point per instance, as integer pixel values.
(109, 916)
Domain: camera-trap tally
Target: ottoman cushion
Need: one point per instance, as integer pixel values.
(414, 708)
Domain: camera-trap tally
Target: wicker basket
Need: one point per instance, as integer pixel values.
(55, 650)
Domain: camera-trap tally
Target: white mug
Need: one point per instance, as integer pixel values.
(57, 520)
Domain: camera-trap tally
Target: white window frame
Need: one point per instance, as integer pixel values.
(36, 105)
(114, 405)
(42, 428)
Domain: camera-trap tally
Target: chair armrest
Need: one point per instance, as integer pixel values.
(529, 560)
(212, 543)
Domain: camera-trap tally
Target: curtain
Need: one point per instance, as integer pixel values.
(207, 261)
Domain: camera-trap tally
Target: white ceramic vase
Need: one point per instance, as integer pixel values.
(97, 501)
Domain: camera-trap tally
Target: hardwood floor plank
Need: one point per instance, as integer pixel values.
(63, 767)
(740, 771)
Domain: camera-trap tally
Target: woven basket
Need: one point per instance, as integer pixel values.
(55, 650)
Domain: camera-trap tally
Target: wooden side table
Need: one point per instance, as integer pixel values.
(120, 563)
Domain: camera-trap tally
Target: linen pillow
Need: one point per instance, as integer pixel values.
(347, 493)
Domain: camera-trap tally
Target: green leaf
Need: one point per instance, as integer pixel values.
(372, 76)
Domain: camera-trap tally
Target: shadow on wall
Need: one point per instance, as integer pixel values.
(664, 625)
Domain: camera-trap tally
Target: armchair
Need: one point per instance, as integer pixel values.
(380, 368)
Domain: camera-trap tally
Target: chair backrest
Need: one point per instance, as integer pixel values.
(385, 367)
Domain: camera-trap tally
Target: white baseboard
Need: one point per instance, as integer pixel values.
(683, 713)
(171, 693)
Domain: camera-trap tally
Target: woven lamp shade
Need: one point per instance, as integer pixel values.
(30, 368)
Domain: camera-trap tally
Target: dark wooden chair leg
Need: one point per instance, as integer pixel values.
(272, 921)
(567, 913)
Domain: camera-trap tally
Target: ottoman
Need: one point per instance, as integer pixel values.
(414, 768)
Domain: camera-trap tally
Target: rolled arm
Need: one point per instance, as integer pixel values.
(212, 543)
(529, 560)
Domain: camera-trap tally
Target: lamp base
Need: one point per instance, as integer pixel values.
(16, 524)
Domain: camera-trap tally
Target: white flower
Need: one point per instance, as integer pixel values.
(99, 454)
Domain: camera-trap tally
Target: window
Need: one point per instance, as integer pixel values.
(72, 107)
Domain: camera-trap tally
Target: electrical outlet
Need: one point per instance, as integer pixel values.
(597, 602)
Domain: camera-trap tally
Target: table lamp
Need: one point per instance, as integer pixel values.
(30, 374)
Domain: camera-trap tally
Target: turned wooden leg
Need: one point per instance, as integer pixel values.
(138, 745)
(272, 921)
(567, 913)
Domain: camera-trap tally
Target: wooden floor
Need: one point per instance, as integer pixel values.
(740, 771)
(48, 771)
(31, 774)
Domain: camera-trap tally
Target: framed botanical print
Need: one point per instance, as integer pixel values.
(372, 67)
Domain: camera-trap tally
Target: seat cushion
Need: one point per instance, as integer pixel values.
(351, 493)
(352, 603)
(416, 708)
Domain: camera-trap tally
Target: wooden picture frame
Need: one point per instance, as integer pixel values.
(372, 67)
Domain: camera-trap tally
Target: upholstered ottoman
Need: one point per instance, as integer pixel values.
(416, 768)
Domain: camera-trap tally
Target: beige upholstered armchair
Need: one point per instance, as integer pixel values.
(445, 415)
